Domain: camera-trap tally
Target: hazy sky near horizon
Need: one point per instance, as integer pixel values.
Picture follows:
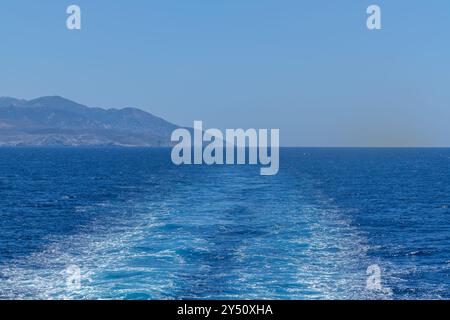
(310, 68)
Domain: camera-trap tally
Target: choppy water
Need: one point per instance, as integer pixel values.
(139, 227)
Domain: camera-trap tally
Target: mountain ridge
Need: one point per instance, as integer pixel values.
(57, 121)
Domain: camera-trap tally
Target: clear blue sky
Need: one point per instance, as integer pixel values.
(310, 68)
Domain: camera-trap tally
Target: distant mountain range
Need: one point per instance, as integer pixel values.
(56, 121)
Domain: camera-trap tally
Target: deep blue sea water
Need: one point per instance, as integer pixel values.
(139, 227)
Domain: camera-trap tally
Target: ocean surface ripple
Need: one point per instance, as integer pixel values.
(138, 227)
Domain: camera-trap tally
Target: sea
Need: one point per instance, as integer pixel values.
(126, 223)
